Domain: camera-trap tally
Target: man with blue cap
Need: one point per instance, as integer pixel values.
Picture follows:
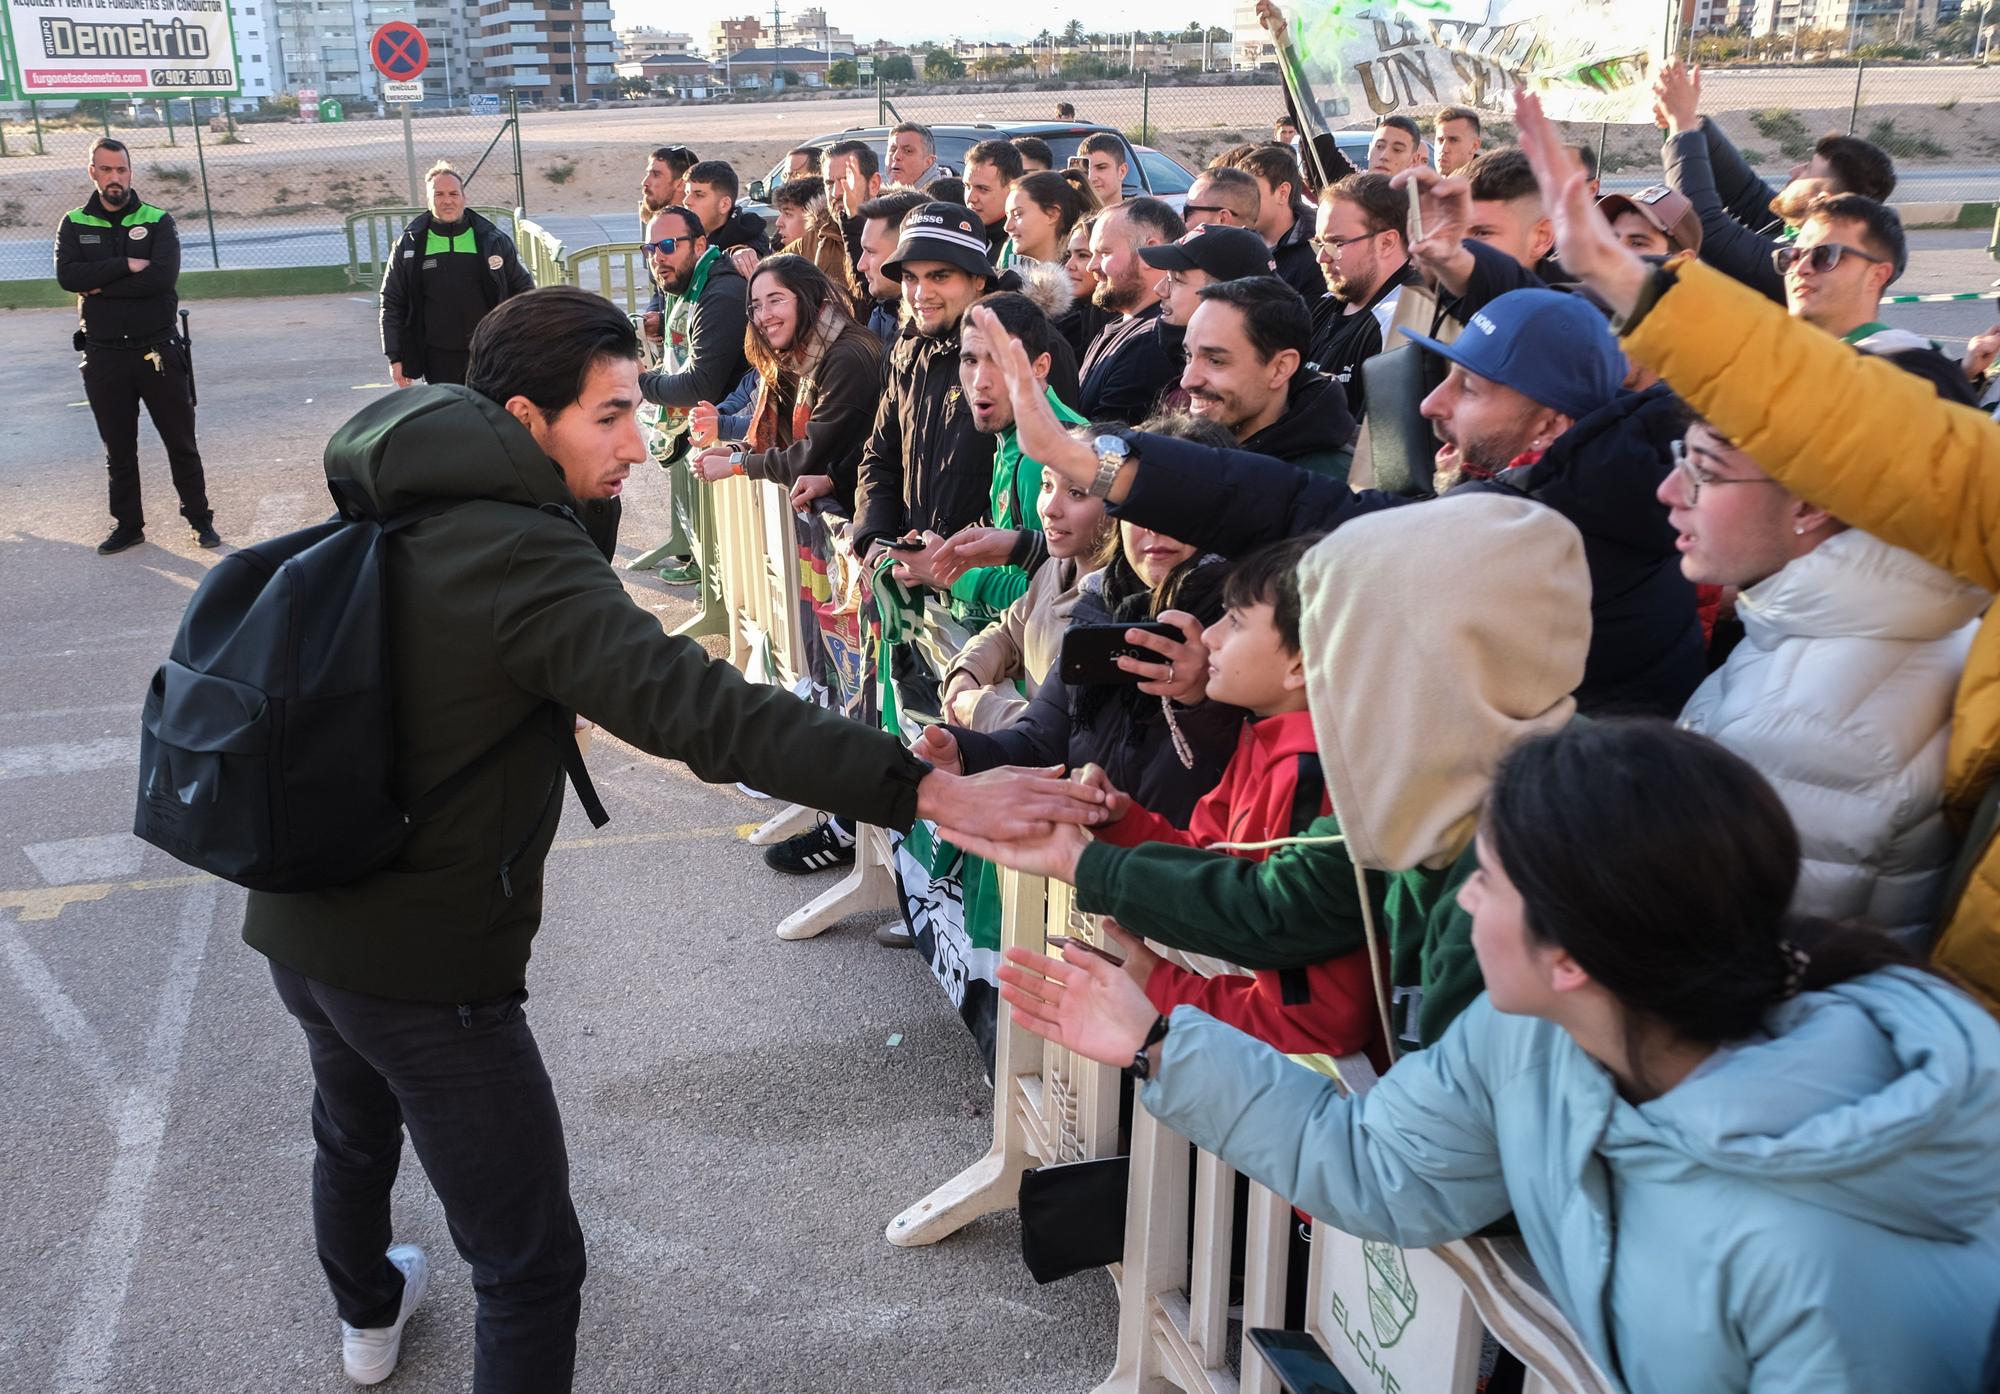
(1534, 403)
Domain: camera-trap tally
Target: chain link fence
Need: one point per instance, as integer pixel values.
(252, 193)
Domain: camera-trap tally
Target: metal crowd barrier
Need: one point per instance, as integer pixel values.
(372, 234)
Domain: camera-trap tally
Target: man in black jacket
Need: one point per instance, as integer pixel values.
(122, 257)
(701, 357)
(1134, 358)
(1364, 258)
(410, 983)
(1283, 216)
(450, 267)
(711, 193)
(1246, 371)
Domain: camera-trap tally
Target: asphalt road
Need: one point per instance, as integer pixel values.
(744, 1115)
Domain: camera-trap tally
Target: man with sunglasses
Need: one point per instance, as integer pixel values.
(1224, 195)
(1849, 251)
(701, 356)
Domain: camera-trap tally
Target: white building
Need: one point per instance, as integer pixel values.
(1251, 48)
(259, 64)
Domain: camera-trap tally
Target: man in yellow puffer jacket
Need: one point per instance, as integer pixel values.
(1848, 431)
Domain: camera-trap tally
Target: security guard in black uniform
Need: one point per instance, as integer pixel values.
(122, 257)
(450, 266)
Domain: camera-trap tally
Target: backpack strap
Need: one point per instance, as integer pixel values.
(566, 747)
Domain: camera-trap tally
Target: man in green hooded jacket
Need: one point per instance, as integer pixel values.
(505, 621)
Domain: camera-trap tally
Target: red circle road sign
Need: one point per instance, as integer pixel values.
(399, 50)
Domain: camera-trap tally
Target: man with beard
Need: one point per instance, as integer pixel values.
(664, 186)
(121, 257)
(1133, 358)
(1366, 265)
(701, 357)
(447, 270)
(881, 223)
(1246, 371)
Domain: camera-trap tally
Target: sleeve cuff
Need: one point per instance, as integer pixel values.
(1663, 279)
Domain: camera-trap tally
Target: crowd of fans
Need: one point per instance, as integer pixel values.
(1563, 678)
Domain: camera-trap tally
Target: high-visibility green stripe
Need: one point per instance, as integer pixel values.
(434, 244)
(144, 213)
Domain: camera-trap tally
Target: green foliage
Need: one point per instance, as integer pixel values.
(559, 171)
(789, 76)
(1783, 125)
(897, 67)
(1901, 145)
(843, 73)
(1085, 66)
(940, 65)
(174, 176)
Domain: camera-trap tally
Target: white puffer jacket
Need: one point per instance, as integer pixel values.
(1840, 694)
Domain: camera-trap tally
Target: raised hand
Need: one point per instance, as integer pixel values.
(1446, 204)
(1042, 437)
(1589, 249)
(1085, 1004)
(1677, 97)
(745, 258)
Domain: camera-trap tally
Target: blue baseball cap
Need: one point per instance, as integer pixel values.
(1550, 347)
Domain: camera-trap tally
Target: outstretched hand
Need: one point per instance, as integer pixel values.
(1589, 249)
(1005, 805)
(1086, 1004)
(970, 547)
(1054, 851)
(1677, 97)
(1446, 203)
(1041, 436)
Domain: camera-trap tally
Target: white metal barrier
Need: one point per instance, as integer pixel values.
(1049, 1104)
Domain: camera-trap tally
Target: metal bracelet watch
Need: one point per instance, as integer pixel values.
(1112, 453)
(1141, 1068)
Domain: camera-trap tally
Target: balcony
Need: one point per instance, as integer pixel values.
(489, 16)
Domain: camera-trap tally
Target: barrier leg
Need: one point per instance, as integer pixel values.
(994, 1181)
(1156, 1251)
(787, 822)
(870, 886)
(1267, 1229)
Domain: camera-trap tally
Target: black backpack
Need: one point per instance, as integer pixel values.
(266, 754)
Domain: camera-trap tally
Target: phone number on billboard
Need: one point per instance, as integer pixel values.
(193, 77)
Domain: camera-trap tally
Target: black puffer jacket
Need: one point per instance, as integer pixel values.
(1119, 727)
(1316, 432)
(742, 228)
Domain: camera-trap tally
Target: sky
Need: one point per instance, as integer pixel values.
(869, 20)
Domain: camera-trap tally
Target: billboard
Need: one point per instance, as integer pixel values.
(118, 48)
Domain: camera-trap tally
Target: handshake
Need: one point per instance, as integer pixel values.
(1050, 845)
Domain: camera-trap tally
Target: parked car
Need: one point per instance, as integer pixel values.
(1148, 171)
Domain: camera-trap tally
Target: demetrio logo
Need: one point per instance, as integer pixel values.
(174, 38)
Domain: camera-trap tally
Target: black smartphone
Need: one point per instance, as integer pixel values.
(1062, 942)
(904, 544)
(1090, 652)
(1298, 1361)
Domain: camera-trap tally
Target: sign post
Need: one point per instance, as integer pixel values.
(400, 53)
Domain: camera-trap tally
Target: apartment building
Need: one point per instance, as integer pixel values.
(323, 44)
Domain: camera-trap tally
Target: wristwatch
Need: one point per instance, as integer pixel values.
(736, 461)
(1112, 453)
(1141, 1068)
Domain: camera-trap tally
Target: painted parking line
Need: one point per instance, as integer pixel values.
(37, 903)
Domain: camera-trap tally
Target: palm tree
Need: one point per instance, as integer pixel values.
(1073, 32)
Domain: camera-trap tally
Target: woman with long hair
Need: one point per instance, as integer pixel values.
(819, 376)
(1746, 1151)
(1082, 321)
(1043, 208)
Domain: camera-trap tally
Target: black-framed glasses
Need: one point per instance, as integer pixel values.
(1334, 244)
(1821, 259)
(1694, 477)
(665, 246)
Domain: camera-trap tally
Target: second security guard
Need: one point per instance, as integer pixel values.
(122, 258)
(450, 266)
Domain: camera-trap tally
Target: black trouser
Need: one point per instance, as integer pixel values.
(446, 365)
(116, 380)
(468, 1083)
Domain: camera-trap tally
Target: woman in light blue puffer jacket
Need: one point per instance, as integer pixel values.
(1746, 1154)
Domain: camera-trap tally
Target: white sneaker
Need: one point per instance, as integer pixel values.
(368, 1354)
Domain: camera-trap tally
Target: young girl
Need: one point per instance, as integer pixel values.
(999, 672)
(1747, 1152)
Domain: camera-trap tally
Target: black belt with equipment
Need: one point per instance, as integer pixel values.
(148, 344)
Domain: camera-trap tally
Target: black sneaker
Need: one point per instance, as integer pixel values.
(819, 848)
(121, 538)
(207, 536)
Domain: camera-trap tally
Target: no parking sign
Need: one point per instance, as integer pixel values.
(399, 51)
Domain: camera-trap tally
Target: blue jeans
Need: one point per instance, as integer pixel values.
(468, 1083)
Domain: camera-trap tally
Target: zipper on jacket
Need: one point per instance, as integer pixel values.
(507, 864)
(465, 1015)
